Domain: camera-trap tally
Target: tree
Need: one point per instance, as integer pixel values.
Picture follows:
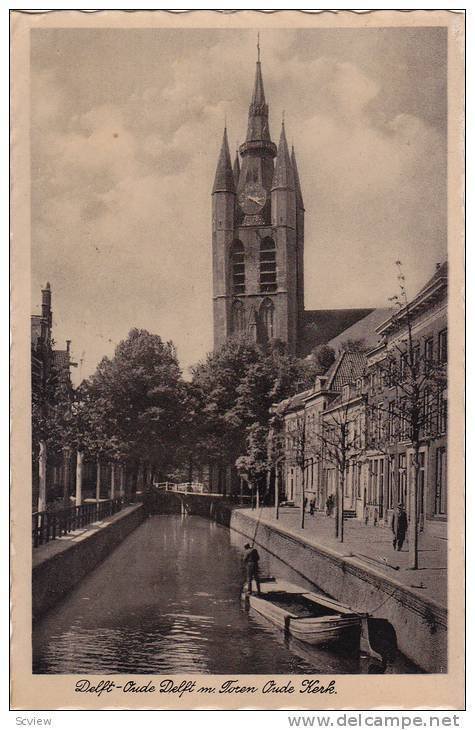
(237, 386)
(324, 356)
(134, 402)
(254, 464)
(342, 438)
(357, 345)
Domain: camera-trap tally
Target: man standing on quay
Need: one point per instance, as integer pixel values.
(251, 563)
(399, 526)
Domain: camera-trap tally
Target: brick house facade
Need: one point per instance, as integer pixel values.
(355, 391)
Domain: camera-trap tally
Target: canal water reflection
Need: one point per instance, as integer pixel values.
(167, 601)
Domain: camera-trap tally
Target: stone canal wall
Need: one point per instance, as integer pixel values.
(60, 564)
(420, 624)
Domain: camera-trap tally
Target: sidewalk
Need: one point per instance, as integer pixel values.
(372, 546)
(64, 542)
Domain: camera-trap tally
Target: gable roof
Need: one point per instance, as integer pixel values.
(61, 359)
(348, 367)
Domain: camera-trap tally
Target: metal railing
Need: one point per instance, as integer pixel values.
(51, 525)
(188, 487)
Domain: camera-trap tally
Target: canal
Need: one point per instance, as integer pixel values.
(166, 601)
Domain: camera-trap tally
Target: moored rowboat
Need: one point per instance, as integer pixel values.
(310, 617)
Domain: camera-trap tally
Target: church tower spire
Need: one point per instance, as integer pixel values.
(284, 170)
(258, 120)
(236, 169)
(257, 153)
(224, 179)
(298, 189)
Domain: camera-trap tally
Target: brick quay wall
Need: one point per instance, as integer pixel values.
(61, 564)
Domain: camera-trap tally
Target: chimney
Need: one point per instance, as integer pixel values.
(68, 346)
(437, 266)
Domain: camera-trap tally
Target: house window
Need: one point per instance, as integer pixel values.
(441, 411)
(426, 412)
(392, 420)
(238, 317)
(238, 268)
(381, 485)
(267, 319)
(416, 357)
(422, 483)
(441, 481)
(443, 346)
(403, 366)
(429, 350)
(267, 266)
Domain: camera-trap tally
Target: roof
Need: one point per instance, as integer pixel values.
(295, 401)
(61, 359)
(348, 367)
(322, 325)
(363, 329)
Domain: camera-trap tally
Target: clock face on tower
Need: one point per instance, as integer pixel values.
(252, 198)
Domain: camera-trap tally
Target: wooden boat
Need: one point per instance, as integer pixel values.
(310, 617)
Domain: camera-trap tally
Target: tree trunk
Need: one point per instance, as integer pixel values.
(112, 495)
(122, 480)
(414, 526)
(337, 511)
(79, 459)
(302, 506)
(66, 475)
(42, 477)
(276, 491)
(98, 480)
(342, 505)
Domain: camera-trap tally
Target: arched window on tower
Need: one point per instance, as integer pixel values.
(267, 266)
(267, 319)
(238, 268)
(238, 321)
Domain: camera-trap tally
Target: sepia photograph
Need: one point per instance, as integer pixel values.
(240, 428)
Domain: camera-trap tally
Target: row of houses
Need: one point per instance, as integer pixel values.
(355, 434)
(50, 367)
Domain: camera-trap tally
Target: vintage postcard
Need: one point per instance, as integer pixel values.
(238, 360)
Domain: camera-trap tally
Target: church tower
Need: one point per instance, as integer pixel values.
(258, 235)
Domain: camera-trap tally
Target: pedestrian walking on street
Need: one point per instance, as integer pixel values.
(312, 506)
(251, 564)
(399, 526)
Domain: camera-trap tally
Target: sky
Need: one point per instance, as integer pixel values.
(126, 126)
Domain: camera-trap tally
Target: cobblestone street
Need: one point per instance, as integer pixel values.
(373, 547)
